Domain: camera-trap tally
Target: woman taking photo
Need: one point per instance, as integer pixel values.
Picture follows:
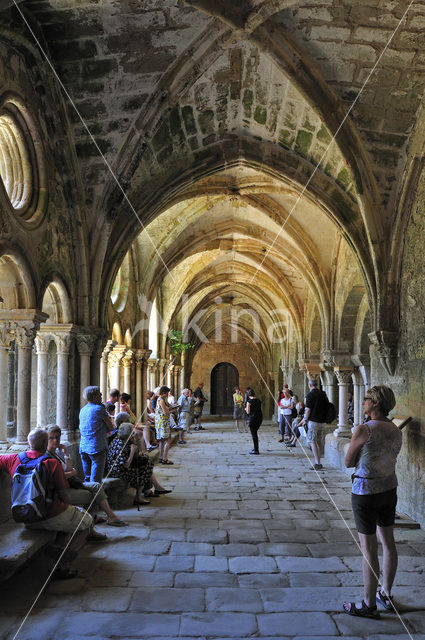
(255, 418)
(373, 451)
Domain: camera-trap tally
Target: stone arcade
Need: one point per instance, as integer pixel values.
(219, 165)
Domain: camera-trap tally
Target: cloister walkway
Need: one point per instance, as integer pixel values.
(245, 546)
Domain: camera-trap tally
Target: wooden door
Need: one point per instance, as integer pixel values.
(224, 377)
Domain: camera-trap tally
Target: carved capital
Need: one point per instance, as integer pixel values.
(63, 343)
(42, 342)
(127, 359)
(343, 375)
(6, 334)
(85, 343)
(25, 335)
(386, 346)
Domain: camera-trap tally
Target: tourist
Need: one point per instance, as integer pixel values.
(127, 462)
(255, 418)
(83, 494)
(200, 400)
(373, 451)
(60, 516)
(125, 406)
(286, 406)
(162, 425)
(238, 409)
(95, 424)
(316, 409)
(300, 407)
(114, 398)
(192, 406)
(184, 403)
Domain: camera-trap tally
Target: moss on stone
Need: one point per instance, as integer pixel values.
(308, 125)
(260, 114)
(343, 207)
(286, 138)
(303, 142)
(247, 101)
(344, 177)
(323, 135)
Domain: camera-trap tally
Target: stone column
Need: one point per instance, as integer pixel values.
(161, 364)
(329, 386)
(25, 336)
(344, 378)
(85, 343)
(138, 356)
(276, 393)
(127, 361)
(115, 358)
(63, 344)
(42, 349)
(170, 377)
(357, 397)
(177, 374)
(5, 339)
(104, 369)
(152, 374)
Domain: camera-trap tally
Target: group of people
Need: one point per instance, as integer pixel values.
(247, 411)
(310, 415)
(115, 445)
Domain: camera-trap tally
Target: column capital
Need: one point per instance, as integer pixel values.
(63, 342)
(386, 345)
(85, 343)
(6, 334)
(42, 342)
(127, 358)
(25, 335)
(343, 375)
(117, 354)
(334, 358)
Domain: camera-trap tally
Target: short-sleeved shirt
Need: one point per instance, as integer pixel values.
(198, 394)
(57, 481)
(94, 427)
(318, 403)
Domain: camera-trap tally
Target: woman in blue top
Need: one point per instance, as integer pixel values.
(373, 451)
(95, 424)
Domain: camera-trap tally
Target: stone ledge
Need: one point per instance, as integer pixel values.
(18, 545)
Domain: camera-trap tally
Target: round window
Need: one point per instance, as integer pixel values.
(21, 161)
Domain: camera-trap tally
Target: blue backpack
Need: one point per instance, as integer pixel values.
(30, 497)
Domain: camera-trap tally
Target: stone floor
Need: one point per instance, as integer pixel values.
(245, 546)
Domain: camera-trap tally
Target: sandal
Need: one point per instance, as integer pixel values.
(117, 523)
(386, 601)
(167, 462)
(363, 612)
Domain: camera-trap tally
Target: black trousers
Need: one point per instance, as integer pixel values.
(254, 425)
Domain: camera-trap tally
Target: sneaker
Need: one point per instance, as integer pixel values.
(254, 453)
(316, 467)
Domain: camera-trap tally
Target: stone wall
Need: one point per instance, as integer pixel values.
(238, 354)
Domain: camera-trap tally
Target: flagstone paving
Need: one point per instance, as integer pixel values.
(244, 547)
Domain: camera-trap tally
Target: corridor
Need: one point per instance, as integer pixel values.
(244, 546)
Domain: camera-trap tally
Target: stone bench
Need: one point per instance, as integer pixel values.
(17, 544)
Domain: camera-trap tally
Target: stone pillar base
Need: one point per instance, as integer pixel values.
(335, 451)
(342, 431)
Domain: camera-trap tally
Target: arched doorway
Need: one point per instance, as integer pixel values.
(224, 377)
